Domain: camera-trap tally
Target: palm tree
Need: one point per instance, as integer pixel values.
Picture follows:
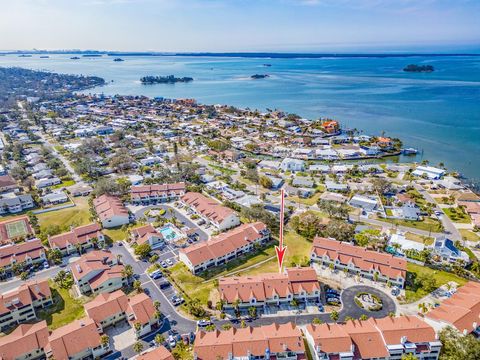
(220, 304)
(317, 321)
(138, 347)
(243, 324)
(334, 315)
(159, 339)
(252, 312)
(104, 340)
(363, 317)
(423, 308)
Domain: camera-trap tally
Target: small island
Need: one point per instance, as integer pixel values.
(259, 76)
(170, 79)
(418, 68)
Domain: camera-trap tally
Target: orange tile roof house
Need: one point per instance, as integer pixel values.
(147, 234)
(77, 340)
(97, 272)
(110, 211)
(85, 236)
(109, 308)
(461, 311)
(211, 211)
(271, 289)
(330, 127)
(20, 305)
(27, 341)
(359, 260)
(148, 194)
(386, 338)
(159, 353)
(224, 247)
(283, 341)
(28, 252)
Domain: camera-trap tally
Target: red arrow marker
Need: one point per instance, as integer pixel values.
(280, 250)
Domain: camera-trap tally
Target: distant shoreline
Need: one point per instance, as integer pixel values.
(271, 55)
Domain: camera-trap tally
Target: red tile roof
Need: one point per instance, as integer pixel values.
(145, 191)
(224, 243)
(79, 235)
(107, 206)
(367, 260)
(159, 353)
(26, 338)
(20, 251)
(26, 294)
(207, 207)
(265, 286)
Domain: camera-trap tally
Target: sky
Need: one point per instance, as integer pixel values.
(241, 25)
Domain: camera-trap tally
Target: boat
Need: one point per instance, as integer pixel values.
(24, 55)
(75, 58)
(44, 57)
(409, 151)
(118, 59)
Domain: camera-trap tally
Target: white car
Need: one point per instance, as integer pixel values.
(169, 262)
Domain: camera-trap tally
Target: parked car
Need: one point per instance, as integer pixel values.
(164, 284)
(164, 264)
(146, 291)
(156, 275)
(169, 262)
(45, 265)
(395, 291)
(203, 323)
(177, 300)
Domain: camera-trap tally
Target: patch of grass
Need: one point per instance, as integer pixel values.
(457, 215)
(116, 234)
(76, 216)
(193, 286)
(223, 170)
(427, 240)
(63, 184)
(64, 310)
(442, 277)
(427, 224)
(306, 201)
(469, 235)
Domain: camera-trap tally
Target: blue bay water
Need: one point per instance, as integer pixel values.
(438, 112)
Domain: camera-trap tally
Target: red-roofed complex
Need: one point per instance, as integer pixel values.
(271, 289)
(147, 235)
(28, 252)
(151, 194)
(224, 247)
(82, 237)
(461, 311)
(330, 127)
(387, 338)
(98, 272)
(109, 308)
(159, 353)
(211, 211)
(19, 305)
(360, 261)
(110, 211)
(27, 341)
(78, 340)
(276, 341)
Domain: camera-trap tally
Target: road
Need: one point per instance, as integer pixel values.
(40, 275)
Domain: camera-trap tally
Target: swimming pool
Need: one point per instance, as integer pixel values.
(169, 233)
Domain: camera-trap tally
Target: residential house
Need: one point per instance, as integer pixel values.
(224, 247)
(81, 237)
(80, 190)
(366, 203)
(11, 203)
(46, 182)
(141, 311)
(265, 290)
(76, 341)
(148, 194)
(111, 211)
(20, 305)
(429, 172)
(330, 127)
(462, 310)
(211, 211)
(275, 341)
(158, 353)
(337, 187)
(147, 234)
(303, 182)
(28, 252)
(55, 198)
(7, 183)
(293, 165)
(27, 341)
(389, 338)
(358, 260)
(446, 250)
(98, 272)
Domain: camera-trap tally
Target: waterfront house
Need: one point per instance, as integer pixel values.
(429, 172)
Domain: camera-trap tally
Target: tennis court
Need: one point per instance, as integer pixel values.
(16, 229)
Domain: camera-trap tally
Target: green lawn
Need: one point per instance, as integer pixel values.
(306, 201)
(457, 215)
(223, 170)
(469, 235)
(65, 183)
(77, 215)
(116, 234)
(419, 238)
(64, 310)
(427, 224)
(442, 277)
(193, 286)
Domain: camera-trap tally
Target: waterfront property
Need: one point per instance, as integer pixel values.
(151, 194)
(385, 339)
(20, 305)
(98, 272)
(224, 247)
(275, 341)
(360, 261)
(300, 284)
(211, 211)
(79, 238)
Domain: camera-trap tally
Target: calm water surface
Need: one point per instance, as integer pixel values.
(438, 113)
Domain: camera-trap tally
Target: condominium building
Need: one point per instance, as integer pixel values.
(211, 211)
(224, 247)
(360, 261)
(28, 252)
(27, 341)
(383, 339)
(82, 237)
(150, 194)
(264, 290)
(111, 211)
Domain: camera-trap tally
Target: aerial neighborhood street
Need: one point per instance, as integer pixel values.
(131, 229)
